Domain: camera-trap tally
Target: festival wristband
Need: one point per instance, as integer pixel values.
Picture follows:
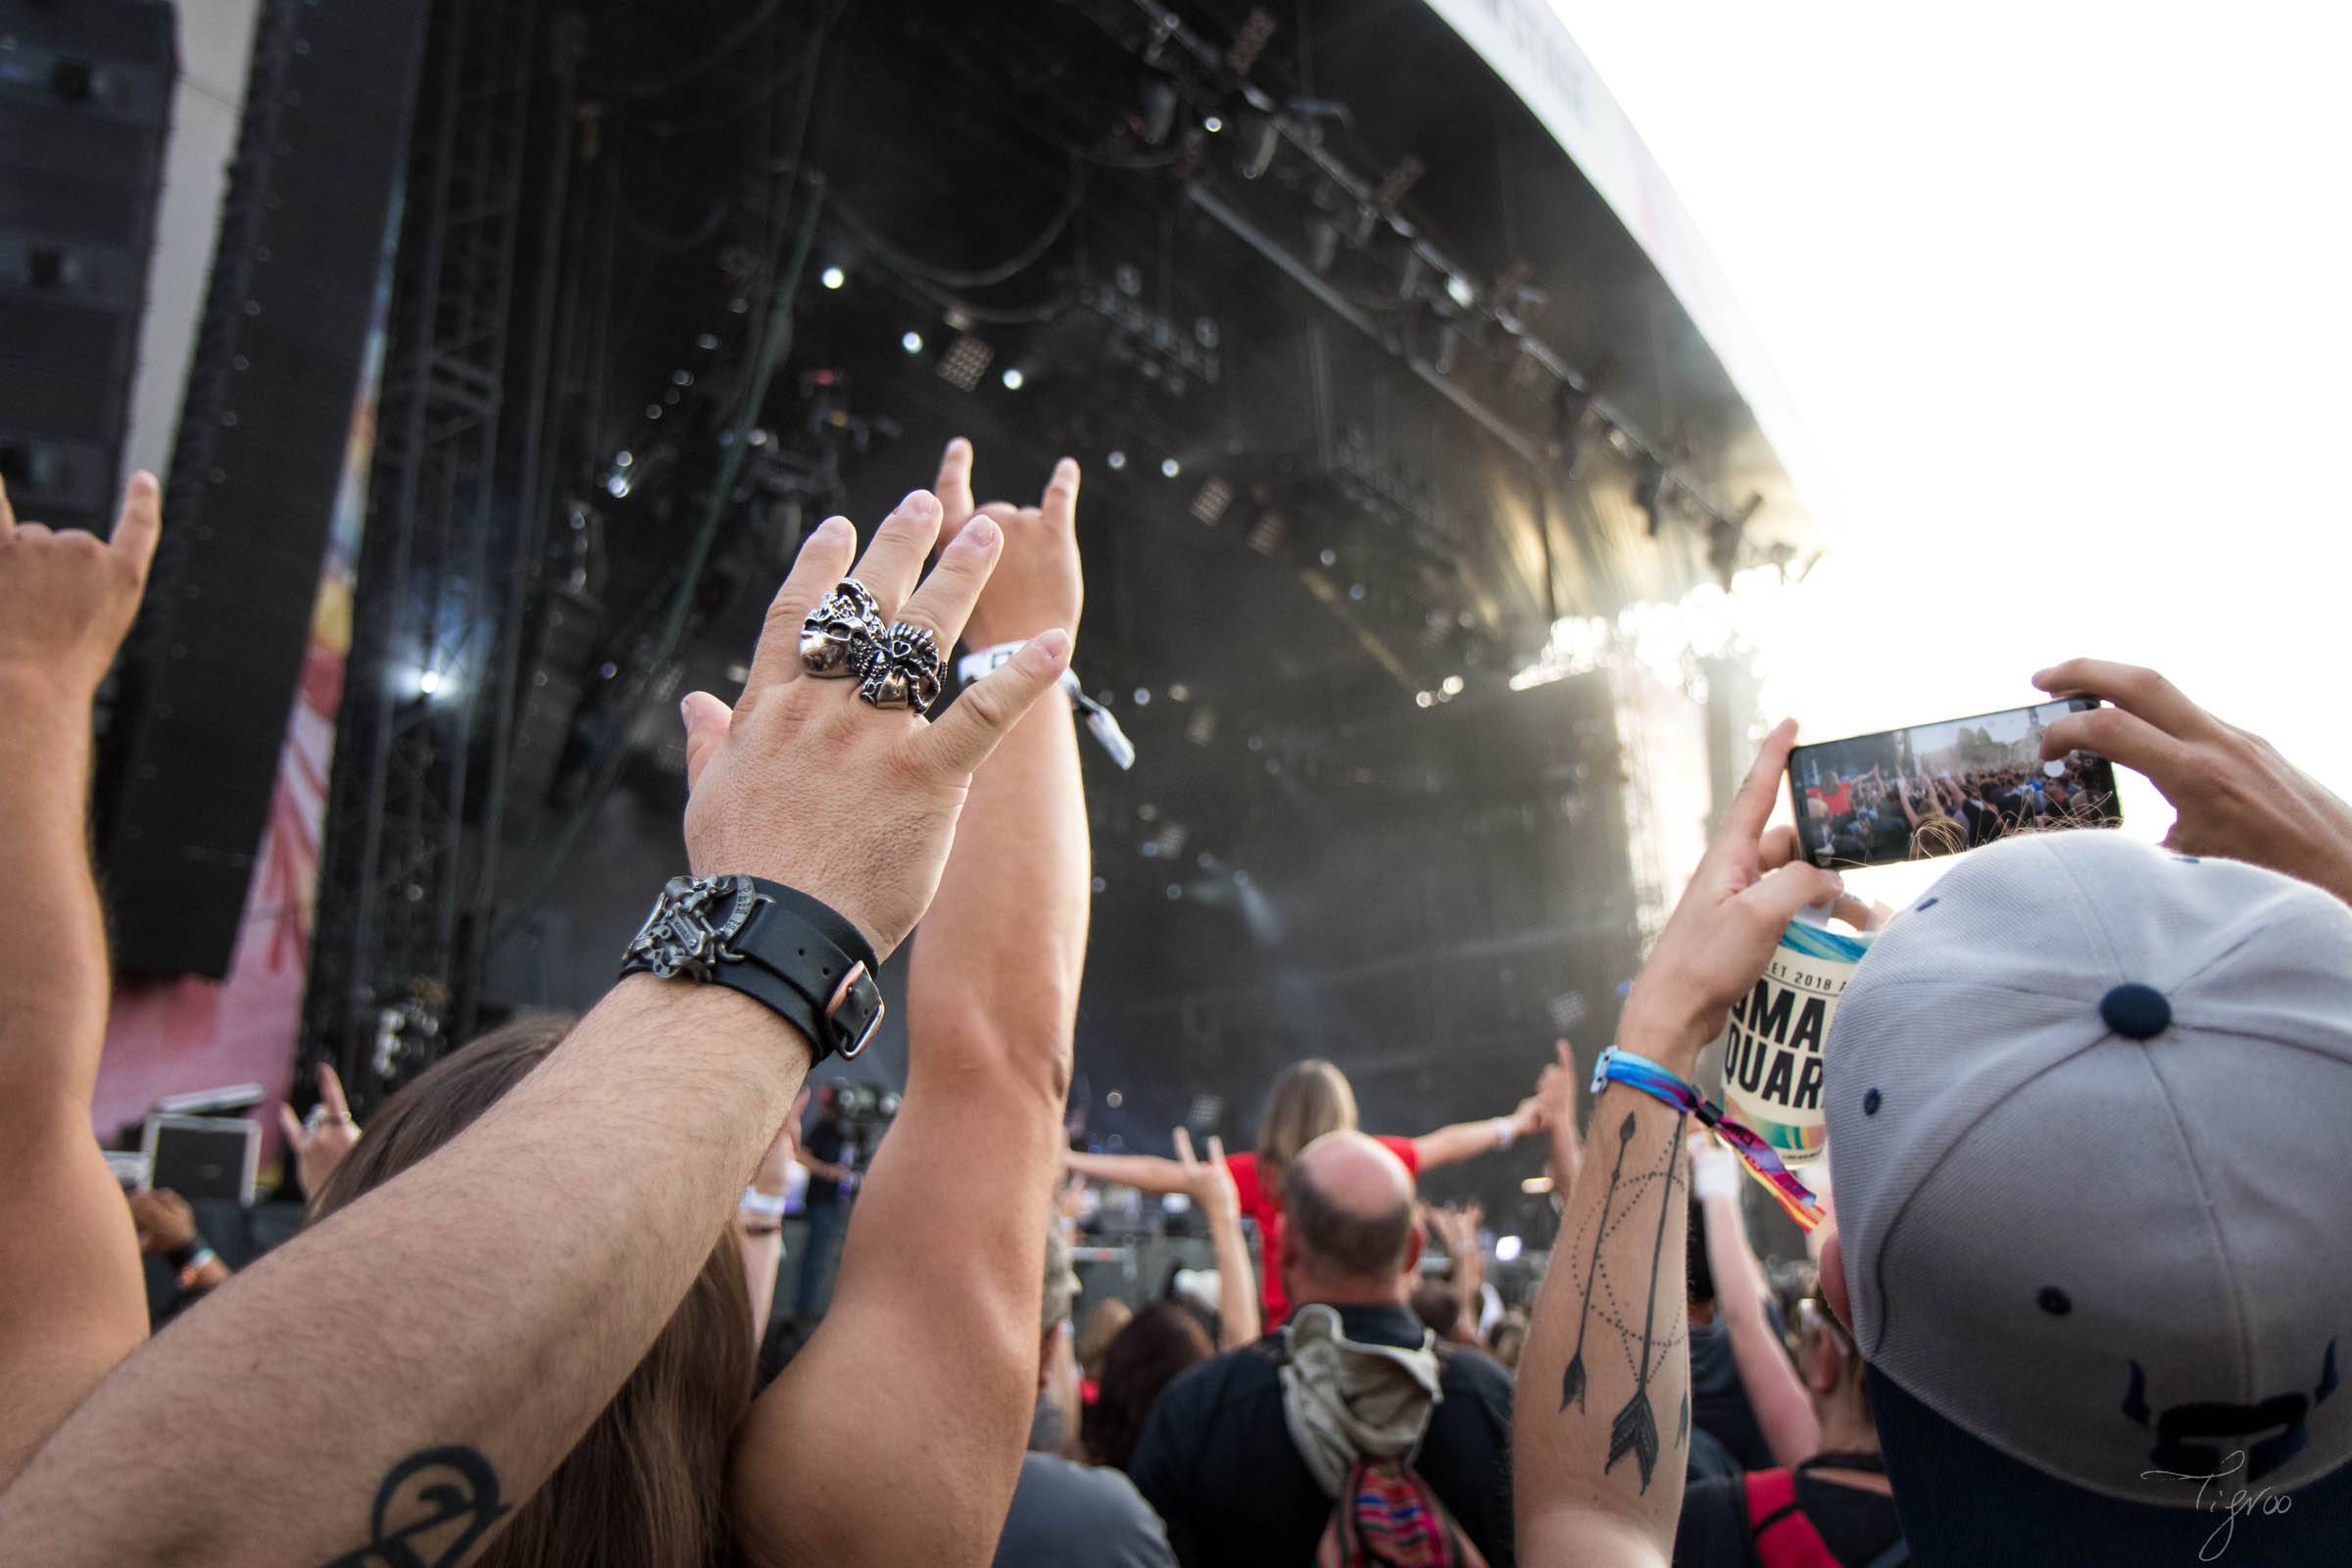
(756, 1202)
(195, 1267)
(1099, 721)
(1619, 1065)
(187, 1254)
(1506, 1132)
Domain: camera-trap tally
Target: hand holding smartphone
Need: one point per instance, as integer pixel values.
(1936, 789)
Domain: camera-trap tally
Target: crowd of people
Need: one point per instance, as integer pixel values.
(2079, 1299)
(1871, 818)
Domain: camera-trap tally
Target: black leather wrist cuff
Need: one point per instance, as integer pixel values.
(778, 945)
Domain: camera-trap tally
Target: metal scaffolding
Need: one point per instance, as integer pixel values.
(445, 562)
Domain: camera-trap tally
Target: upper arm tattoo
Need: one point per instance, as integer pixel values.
(432, 1508)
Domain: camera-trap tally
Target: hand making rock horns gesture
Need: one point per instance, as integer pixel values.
(851, 804)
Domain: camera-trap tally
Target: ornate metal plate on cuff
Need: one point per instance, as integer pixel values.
(692, 928)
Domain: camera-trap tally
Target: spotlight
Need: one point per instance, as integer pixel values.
(832, 278)
(428, 682)
(1169, 467)
(1117, 460)
(911, 342)
(1424, 699)
(1507, 1249)
(617, 485)
(1459, 290)
(1212, 125)
(1328, 557)
(1012, 378)
(1451, 686)
(681, 378)
(624, 458)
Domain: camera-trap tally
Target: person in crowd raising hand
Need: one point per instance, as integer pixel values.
(1211, 1186)
(1598, 1464)
(317, 1143)
(74, 1303)
(2237, 797)
(510, 1281)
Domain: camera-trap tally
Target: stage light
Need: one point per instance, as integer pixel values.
(624, 458)
(1451, 686)
(1212, 125)
(1114, 1099)
(1507, 1249)
(1355, 592)
(911, 342)
(1012, 378)
(1425, 699)
(707, 341)
(1169, 467)
(1117, 460)
(1328, 557)
(961, 366)
(1211, 500)
(618, 485)
(681, 378)
(1142, 698)
(1459, 290)
(428, 682)
(652, 410)
(832, 278)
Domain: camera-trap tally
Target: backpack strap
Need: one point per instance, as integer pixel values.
(1898, 1555)
(1782, 1535)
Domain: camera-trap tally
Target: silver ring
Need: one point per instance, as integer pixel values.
(838, 637)
(904, 670)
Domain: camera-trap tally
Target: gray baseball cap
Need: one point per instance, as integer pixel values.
(2090, 1114)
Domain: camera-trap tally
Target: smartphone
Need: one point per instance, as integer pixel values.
(1936, 789)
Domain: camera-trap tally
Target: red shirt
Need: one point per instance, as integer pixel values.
(1840, 799)
(1265, 1206)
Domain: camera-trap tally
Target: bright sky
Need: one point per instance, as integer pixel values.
(2061, 293)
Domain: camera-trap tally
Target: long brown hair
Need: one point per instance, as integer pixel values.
(1165, 1340)
(644, 1489)
(1310, 1098)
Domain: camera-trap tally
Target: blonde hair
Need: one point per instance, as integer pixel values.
(1310, 1098)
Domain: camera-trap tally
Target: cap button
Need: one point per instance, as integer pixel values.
(2136, 1012)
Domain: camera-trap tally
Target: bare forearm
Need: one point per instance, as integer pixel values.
(1236, 1283)
(1783, 1410)
(1146, 1173)
(1601, 1433)
(954, 1208)
(53, 969)
(603, 1178)
(1464, 1140)
(1006, 938)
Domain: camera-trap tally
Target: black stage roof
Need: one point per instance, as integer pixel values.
(1370, 385)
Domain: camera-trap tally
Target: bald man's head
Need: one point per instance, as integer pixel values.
(1348, 1209)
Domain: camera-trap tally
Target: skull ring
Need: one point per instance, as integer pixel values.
(840, 634)
(904, 670)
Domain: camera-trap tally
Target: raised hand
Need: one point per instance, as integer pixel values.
(1037, 583)
(319, 1142)
(67, 599)
(2237, 797)
(1721, 935)
(1210, 1182)
(164, 1219)
(854, 806)
(1780, 846)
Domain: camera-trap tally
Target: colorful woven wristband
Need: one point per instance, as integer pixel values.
(1620, 1065)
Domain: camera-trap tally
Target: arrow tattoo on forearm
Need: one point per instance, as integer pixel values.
(1572, 1382)
(1635, 1429)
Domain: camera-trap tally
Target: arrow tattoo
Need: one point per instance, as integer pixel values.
(1636, 1428)
(1572, 1382)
